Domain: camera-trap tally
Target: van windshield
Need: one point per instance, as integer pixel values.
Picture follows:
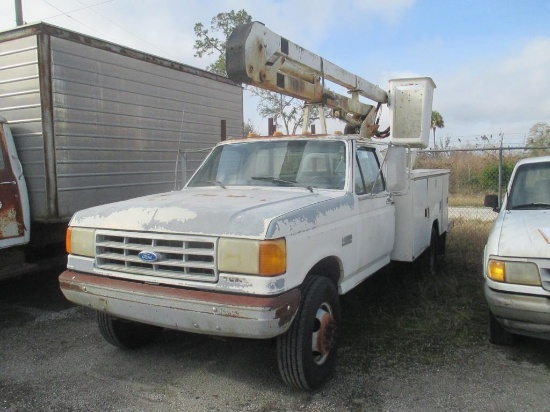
(303, 162)
(531, 187)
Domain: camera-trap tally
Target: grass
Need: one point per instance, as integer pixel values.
(403, 315)
(463, 200)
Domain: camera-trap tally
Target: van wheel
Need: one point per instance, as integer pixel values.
(497, 334)
(126, 334)
(307, 351)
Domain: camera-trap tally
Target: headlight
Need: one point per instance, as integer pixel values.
(522, 273)
(254, 257)
(80, 241)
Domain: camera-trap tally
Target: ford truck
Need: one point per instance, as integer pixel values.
(270, 231)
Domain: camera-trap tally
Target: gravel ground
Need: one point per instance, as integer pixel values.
(52, 358)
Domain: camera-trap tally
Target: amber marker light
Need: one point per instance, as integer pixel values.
(496, 270)
(68, 240)
(272, 257)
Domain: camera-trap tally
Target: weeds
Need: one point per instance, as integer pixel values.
(403, 315)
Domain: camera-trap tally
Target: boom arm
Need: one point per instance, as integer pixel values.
(261, 58)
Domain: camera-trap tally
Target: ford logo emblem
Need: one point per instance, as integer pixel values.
(147, 256)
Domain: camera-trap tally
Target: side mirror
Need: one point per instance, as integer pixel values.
(491, 201)
(396, 175)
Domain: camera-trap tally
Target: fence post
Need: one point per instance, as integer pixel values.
(500, 173)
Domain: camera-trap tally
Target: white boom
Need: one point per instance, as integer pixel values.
(257, 56)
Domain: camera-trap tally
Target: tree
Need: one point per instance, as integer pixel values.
(249, 127)
(539, 136)
(213, 40)
(437, 123)
(287, 110)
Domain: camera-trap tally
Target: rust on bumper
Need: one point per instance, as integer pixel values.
(195, 311)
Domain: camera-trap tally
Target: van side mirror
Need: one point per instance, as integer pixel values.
(396, 172)
(491, 201)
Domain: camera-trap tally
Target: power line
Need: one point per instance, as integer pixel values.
(129, 32)
(75, 10)
(90, 7)
(71, 17)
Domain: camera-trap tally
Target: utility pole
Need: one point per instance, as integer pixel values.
(18, 13)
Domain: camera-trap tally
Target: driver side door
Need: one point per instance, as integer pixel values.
(376, 209)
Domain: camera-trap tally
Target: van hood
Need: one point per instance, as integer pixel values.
(525, 233)
(215, 211)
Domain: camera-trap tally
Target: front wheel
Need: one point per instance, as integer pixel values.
(124, 333)
(307, 351)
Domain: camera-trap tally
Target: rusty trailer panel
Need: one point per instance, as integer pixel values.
(188, 310)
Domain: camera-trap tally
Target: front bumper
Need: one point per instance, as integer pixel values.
(521, 314)
(183, 309)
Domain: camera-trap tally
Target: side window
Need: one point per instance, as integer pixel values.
(368, 178)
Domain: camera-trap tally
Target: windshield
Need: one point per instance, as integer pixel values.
(305, 163)
(531, 187)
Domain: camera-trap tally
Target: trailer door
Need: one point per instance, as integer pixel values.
(14, 208)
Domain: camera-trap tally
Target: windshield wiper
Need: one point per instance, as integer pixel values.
(277, 180)
(274, 179)
(217, 183)
(531, 206)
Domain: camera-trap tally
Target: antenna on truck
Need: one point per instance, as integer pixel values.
(184, 158)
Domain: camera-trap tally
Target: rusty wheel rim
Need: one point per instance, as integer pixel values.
(324, 332)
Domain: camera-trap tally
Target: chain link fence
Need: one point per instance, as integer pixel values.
(474, 174)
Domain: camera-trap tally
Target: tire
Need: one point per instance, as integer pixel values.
(497, 334)
(430, 260)
(307, 351)
(126, 334)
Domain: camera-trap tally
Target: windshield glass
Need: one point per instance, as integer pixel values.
(531, 187)
(306, 163)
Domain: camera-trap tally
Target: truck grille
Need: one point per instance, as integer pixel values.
(178, 257)
(544, 268)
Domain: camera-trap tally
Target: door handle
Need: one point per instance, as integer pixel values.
(8, 183)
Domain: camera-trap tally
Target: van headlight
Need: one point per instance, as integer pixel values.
(521, 273)
(80, 241)
(253, 257)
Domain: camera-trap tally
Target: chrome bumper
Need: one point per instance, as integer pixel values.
(183, 309)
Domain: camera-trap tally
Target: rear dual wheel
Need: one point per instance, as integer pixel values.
(432, 252)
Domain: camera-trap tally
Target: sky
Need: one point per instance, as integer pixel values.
(490, 59)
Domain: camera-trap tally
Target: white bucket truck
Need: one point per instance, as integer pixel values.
(270, 231)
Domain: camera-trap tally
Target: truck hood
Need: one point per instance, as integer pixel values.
(521, 234)
(215, 211)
